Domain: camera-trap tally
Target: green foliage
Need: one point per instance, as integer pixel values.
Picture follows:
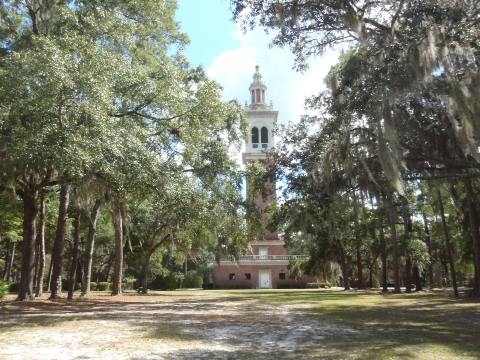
(128, 283)
(318, 285)
(398, 114)
(4, 288)
(110, 105)
(169, 282)
(13, 288)
(192, 280)
(103, 286)
(296, 268)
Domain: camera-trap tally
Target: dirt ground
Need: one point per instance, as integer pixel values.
(231, 325)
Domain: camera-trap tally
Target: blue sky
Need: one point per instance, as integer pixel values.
(230, 56)
(208, 24)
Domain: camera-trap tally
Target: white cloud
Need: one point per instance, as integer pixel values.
(287, 88)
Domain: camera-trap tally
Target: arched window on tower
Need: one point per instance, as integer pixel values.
(253, 96)
(264, 136)
(255, 137)
(258, 101)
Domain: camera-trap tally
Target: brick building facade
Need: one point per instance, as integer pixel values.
(266, 263)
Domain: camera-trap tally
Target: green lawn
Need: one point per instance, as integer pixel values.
(244, 324)
(423, 326)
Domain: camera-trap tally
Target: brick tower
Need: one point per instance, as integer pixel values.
(266, 265)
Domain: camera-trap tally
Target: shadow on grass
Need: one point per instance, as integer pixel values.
(242, 324)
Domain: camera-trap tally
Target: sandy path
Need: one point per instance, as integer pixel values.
(162, 327)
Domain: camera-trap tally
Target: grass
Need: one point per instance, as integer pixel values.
(238, 323)
(425, 326)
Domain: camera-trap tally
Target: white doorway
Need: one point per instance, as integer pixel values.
(263, 252)
(264, 279)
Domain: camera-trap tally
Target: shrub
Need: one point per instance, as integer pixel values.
(103, 286)
(318, 285)
(93, 286)
(13, 287)
(291, 286)
(4, 287)
(168, 282)
(128, 283)
(192, 280)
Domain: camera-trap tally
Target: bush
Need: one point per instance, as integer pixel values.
(232, 287)
(318, 285)
(103, 286)
(13, 287)
(169, 282)
(192, 280)
(4, 287)
(128, 283)
(291, 286)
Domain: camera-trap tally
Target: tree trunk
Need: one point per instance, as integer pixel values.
(25, 291)
(7, 256)
(57, 252)
(50, 267)
(358, 245)
(448, 244)
(9, 259)
(346, 276)
(90, 246)
(474, 229)
(384, 255)
(118, 262)
(428, 241)
(146, 271)
(393, 234)
(370, 277)
(416, 278)
(72, 276)
(408, 274)
(384, 271)
(359, 265)
(40, 249)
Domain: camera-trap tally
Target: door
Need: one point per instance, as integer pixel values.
(264, 279)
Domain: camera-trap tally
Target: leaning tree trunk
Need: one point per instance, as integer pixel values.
(428, 241)
(118, 262)
(25, 291)
(393, 234)
(90, 246)
(448, 244)
(40, 268)
(474, 229)
(57, 252)
(72, 276)
(49, 282)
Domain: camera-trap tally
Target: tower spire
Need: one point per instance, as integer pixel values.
(257, 89)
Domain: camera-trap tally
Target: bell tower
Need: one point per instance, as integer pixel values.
(262, 119)
(265, 263)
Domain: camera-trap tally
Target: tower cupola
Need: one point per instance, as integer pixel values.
(257, 89)
(261, 120)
